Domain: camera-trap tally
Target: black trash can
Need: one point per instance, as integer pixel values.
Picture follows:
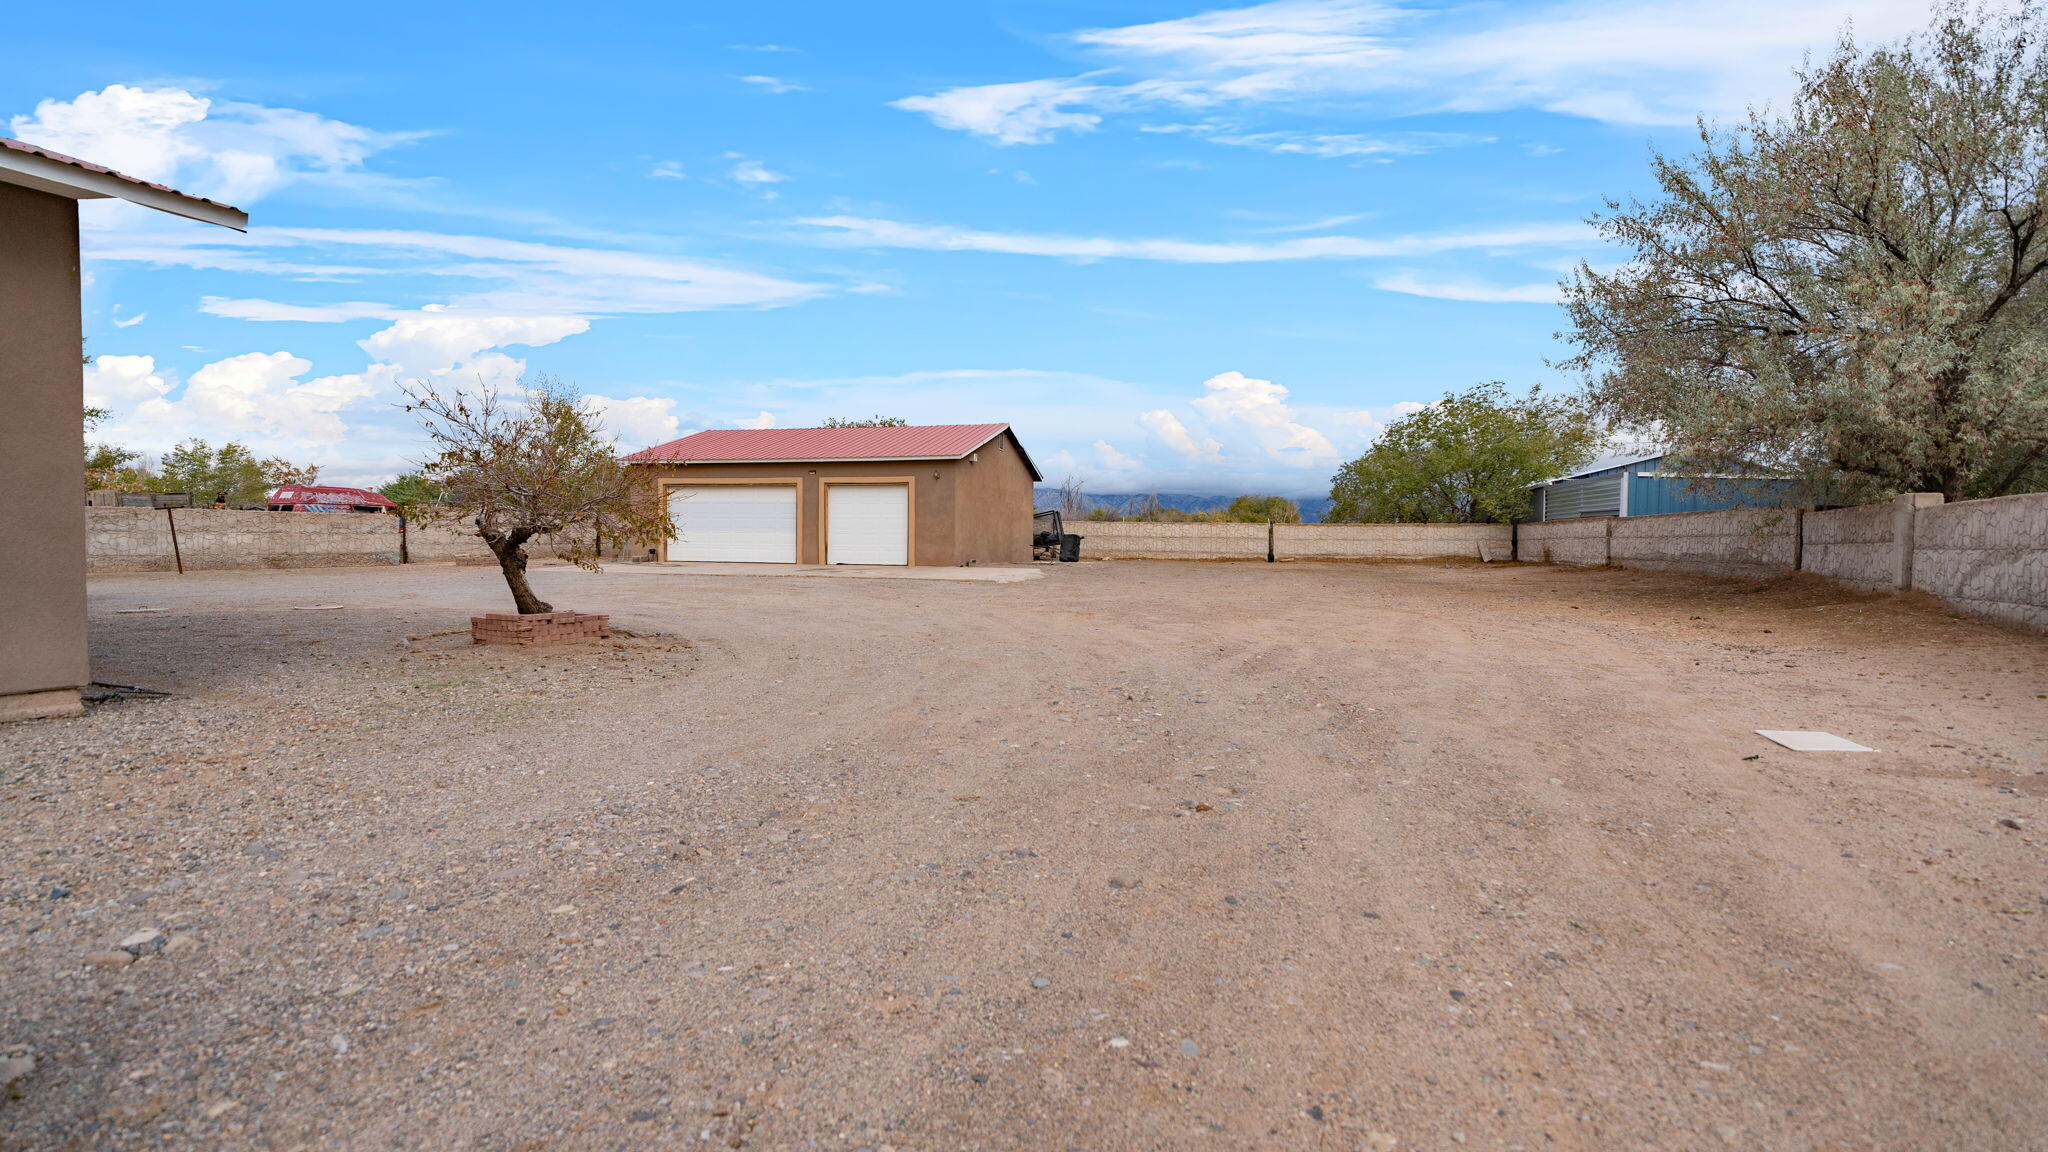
(1070, 548)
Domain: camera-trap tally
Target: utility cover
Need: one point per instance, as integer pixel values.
(1813, 741)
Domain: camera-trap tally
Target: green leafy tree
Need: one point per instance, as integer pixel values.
(408, 490)
(541, 469)
(232, 471)
(1261, 509)
(1852, 292)
(1469, 458)
(870, 422)
(109, 465)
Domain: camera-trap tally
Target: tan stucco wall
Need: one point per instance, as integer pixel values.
(960, 510)
(42, 517)
(993, 512)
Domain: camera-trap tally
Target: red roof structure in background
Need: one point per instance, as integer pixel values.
(304, 497)
(807, 445)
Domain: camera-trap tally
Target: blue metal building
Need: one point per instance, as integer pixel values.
(1639, 486)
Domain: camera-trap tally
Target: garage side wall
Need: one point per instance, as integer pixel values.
(993, 513)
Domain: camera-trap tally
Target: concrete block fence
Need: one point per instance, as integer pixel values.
(141, 540)
(1987, 557)
(1134, 540)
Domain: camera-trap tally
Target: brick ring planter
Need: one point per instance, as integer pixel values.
(540, 630)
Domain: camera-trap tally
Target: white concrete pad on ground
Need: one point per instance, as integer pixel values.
(839, 571)
(1813, 741)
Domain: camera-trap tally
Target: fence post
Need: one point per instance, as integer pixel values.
(1269, 541)
(171, 518)
(1607, 544)
(404, 545)
(1905, 507)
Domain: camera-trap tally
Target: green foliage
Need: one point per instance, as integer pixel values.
(1851, 293)
(410, 489)
(1261, 509)
(108, 465)
(1468, 458)
(231, 470)
(870, 422)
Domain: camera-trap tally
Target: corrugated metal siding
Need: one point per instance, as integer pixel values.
(1656, 495)
(1592, 496)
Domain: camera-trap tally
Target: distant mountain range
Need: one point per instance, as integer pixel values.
(1312, 507)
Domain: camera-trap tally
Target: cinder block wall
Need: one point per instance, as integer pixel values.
(1390, 541)
(1748, 542)
(1855, 546)
(139, 540)
(1989, 557)
(1579, 542)
(1119, 540)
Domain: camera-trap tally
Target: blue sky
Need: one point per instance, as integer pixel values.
(1181, 247)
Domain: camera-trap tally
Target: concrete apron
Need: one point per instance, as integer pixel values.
(991, 575)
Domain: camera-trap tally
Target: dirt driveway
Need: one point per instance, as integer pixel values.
(1135, 856)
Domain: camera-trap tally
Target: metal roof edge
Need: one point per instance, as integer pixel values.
(39, 170)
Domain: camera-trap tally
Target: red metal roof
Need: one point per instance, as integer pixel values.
(298, 494)
(803, 445)
(87, 165)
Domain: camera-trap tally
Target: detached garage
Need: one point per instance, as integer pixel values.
(937, 495)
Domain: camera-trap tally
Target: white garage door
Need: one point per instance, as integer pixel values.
(734, 522)
(867, 524)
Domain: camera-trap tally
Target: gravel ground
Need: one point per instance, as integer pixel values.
(1136, 856)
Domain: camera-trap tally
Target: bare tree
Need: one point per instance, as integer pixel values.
(540, 468)
(1071, 503)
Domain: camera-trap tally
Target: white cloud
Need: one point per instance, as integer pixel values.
(773, 84)
(1623, 61)
(755, 172)
(943, 237)
(764, 420)
(266, 310)
(1108, 457)
(1261, 405)
(667, 170)
(762, 48)
(230, 151)
(514, 275)
(121, 321)
(123, 383)
(256, 395)
(1467, 289)
(1175, 435)
(636, 422)
(432, 341)
(1030, 112)
(1344, 145)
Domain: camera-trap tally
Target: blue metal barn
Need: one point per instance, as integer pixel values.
(1638, 486)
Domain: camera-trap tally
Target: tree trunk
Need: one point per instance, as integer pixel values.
(512, 562)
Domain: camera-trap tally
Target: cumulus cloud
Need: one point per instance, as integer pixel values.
(1175, 435)
(635, 422)
(764, 420)
(1261, 406)
(226, 150)
(1107, 456)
